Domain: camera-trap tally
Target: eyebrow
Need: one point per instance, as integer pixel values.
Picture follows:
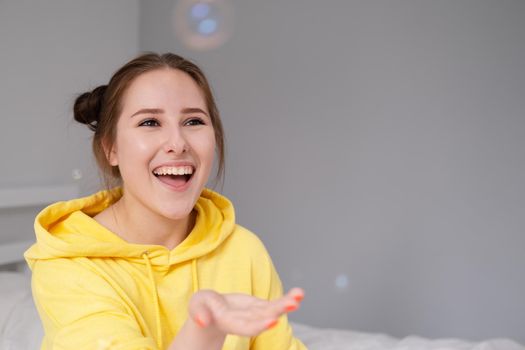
(148, 111)
(160, 111)
(193, 110)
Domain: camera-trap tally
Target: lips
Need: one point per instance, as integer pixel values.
(176, 177)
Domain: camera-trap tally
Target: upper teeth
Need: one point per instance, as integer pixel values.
(171, 170)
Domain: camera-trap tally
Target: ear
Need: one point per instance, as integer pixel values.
(112, 157)
(111, 153)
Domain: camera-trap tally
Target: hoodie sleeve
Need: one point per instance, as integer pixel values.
(80, 310)
(267, 285)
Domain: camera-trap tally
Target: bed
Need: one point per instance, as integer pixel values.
(20, 328)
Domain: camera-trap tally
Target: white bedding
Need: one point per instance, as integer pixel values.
(335, 339)
(20, 329)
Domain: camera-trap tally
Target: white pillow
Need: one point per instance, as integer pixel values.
(14, 287)
(20, 327)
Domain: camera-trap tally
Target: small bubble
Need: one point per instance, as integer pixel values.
(208, 26)
(203, 24)
(76, 174)
(200, 10)
(341, 281)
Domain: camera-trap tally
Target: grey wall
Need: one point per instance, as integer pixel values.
(50, 51)
(381, 141)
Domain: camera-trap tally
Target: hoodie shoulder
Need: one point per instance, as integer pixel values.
(248, 240)
(248, 249)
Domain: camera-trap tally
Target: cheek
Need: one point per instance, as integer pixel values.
(204, 145)
(132, 149)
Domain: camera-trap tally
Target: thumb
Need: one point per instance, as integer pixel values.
(199, 310)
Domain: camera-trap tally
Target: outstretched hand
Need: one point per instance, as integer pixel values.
(240, 314)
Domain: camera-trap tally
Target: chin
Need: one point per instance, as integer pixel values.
(177, 206)
(176, 213)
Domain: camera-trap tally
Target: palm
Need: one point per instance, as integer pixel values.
(240, 314)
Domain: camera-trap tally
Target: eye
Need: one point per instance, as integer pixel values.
(194, 121)
(149, 122)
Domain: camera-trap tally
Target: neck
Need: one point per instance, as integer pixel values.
(136, 225)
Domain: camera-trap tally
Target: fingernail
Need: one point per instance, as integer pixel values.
(200, 321)
(298, 297)
(291, 307)
(271, 324)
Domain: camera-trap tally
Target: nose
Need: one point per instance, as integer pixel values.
(175, 141)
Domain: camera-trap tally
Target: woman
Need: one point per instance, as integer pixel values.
(157, 263)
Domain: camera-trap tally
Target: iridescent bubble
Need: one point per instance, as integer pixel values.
(200, 10)
(203, 24)
(208, 26)
(341, 281)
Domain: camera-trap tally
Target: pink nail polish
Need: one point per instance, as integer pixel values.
(200, 321)
(298, 297)
(291, 307)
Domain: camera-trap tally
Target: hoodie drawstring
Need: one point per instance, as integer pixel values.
(195, 282)
(194, 276)
(156, 299)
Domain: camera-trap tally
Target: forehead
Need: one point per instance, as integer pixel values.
(163, 88)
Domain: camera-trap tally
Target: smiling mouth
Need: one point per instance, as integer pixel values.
(174, 176)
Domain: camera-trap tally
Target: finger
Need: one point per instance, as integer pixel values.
(199, 307)
(238, 300)
(272, 310)
(243, 314)
(245, 323)
(290, 301)
(294, 298)
(289, 304)
(297, 294)
(264, 308)
(244, 300)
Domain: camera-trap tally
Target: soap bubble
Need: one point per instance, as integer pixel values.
(203, 24)
(341, 281)
(76, 174)
(200, 10)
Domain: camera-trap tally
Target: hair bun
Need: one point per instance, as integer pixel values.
(87, 107)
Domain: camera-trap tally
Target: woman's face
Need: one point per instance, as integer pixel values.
(165, 143)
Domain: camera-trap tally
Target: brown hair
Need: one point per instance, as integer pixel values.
(100, 108)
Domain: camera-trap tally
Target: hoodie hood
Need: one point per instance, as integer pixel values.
(67, 230)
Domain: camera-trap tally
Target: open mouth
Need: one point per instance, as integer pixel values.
(174, 176)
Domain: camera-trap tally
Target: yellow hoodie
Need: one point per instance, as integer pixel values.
(93, 290)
